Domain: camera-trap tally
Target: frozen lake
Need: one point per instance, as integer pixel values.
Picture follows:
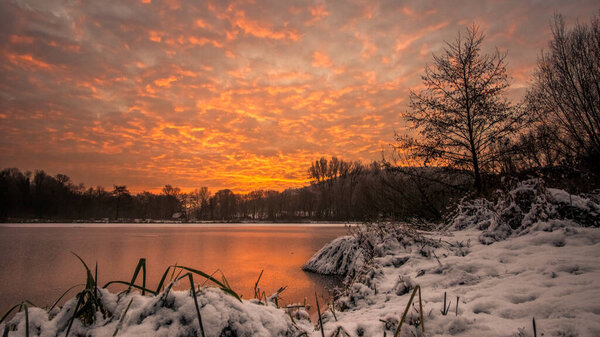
(36, 261)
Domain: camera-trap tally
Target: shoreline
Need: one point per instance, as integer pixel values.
(172, 225)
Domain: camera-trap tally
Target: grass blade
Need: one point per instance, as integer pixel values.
(89, 284)
(141, 265)
(256, 291)
(9, 311)
(79, 302)
(221, 285)
(163, 278)
(193, 289)
(96, 281)
(319, 312)
(410, 301)
(421, 312)
(457, 299)
(132, 285)
(26, 319)
(63, 295)
(173, 273)
(120, 324)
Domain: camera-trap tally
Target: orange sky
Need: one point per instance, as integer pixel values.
(229, 94)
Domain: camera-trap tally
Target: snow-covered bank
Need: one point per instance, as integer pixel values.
(526, 255)
(171, 315)
(552, 276)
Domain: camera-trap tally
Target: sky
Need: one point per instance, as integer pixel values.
(231, 94)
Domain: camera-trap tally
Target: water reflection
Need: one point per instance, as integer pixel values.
(36, 263)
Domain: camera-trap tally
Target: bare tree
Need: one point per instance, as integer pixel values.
(566, 88)
(199, 200)
(462, 111)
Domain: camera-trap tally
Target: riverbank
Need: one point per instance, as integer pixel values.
(469, 288)
(526, 264)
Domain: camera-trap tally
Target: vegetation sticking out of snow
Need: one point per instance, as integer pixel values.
(546, 267)
(530, 206)
(170, 315)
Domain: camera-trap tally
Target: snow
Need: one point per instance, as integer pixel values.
(551, 276)
(506, 262)
(534, 252)
(341, 257)
(173, 315)
(530, 206)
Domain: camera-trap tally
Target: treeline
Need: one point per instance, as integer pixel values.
(340, 191)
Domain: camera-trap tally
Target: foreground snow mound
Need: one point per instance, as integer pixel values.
(471, 289)
(342, 256)
(530, 206)
(352, 256)
(171, 315)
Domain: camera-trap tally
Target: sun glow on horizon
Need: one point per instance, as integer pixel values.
(228, 94)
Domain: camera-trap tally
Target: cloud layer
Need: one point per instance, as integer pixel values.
(239, 94)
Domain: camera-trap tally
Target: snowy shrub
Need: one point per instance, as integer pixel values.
(353, 256)
(566, 331)
(404, 285)
(526, 207)
(343, 256)
(357, 295)
(476, 213)
(584, 211)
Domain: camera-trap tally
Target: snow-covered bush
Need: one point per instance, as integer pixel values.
(528, 206)
(352, 256)
(361, 257)
(343, 256)
(477, 213)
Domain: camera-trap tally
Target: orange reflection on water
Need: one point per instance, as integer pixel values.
(36, 263)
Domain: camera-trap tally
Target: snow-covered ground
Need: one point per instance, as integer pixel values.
(533, 253)
(525, 256)
(552, 276)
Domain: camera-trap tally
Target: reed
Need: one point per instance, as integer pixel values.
(445, 308)
(120, 324)
(410, 301)
(89, 301)
(319, 313)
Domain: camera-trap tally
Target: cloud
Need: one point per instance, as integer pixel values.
(321, 59)
(229, 94)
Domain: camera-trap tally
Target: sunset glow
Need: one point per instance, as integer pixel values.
(230, 94)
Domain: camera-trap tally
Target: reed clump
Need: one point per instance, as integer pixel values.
(89, 302)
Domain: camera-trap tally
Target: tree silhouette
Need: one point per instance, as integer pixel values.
(462, 112)
(566, 89)
(119, 191)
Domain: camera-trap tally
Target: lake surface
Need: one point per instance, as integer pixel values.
(36, 261)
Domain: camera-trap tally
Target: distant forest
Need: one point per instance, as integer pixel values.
(341, 191)
(468, 140)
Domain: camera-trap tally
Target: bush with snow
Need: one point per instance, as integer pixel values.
(530, 205)
(352, 256)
